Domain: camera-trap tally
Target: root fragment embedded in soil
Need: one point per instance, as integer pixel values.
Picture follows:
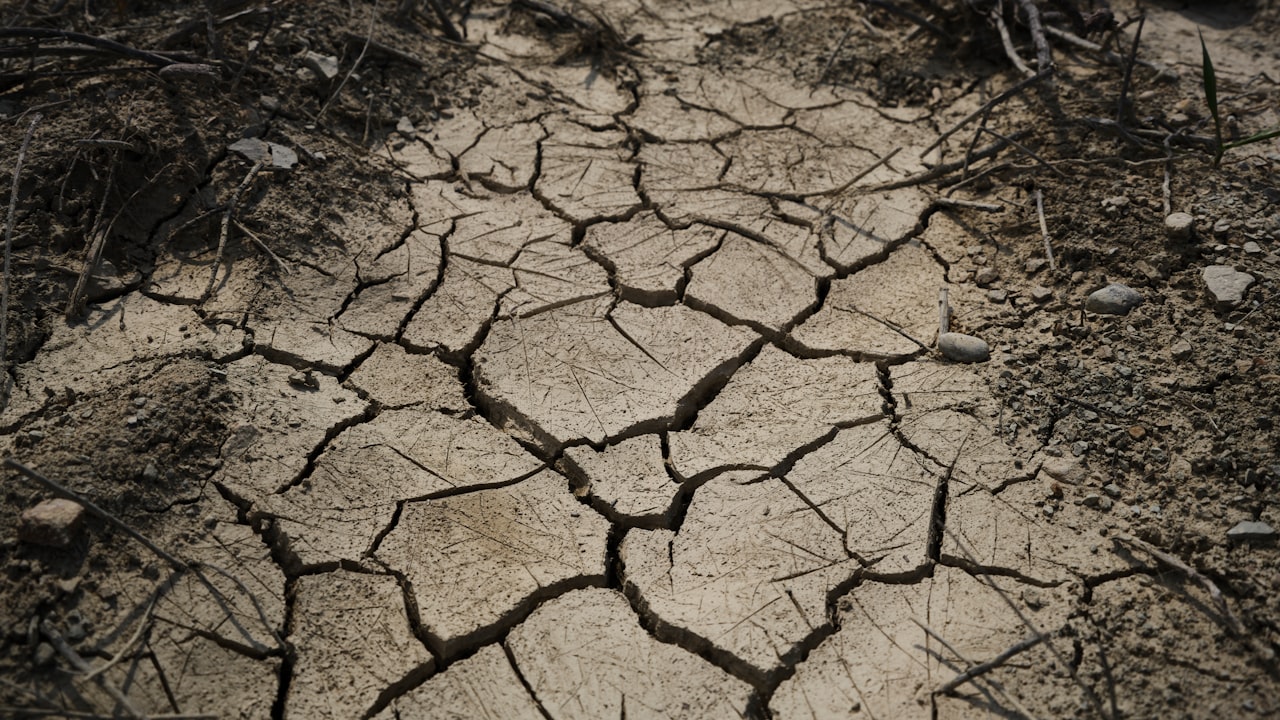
(581, 360)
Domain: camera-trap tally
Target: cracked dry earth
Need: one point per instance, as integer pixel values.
(618, 400)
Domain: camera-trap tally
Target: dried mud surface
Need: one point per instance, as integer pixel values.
(572, 373)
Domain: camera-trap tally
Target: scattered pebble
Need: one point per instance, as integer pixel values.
(1092, 500)
(406, 129)
(1111, 489)
(1035, 265)
(1067, 470)
(52, 523)
(1252, 248)
(963, 348)
(1137, 432)
(1115, 299)
(44, 655)
(1179, 226)
(1181, 349)
(325, 66)
(997, 296)
(1040, 294)
(986, 276)
(1226, 284)
(1221, 228)
(1251, 530)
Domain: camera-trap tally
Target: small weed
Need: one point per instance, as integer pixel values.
(1210, 81)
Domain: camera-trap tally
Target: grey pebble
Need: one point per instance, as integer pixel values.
(1226, 284)
(963, 348)
(1179, 226)
(1115, 299)
(44, 655)
(1251, 530)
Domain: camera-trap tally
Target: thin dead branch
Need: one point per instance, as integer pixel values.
(147, 56)
(997, 16)
(954, 651)
(1122, 106)
(368, 38)
(1233, 622)
(1035, 26)
(1028, 152)
(63, 491)
(1044, 230)
(983, 668)
(80, 664)
(938, 171)
(263, 247)
(227, 216)
(8, 253)
(987, 106)
(921, 21)
(97, 242)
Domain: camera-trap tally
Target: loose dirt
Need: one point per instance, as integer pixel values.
(587, 365)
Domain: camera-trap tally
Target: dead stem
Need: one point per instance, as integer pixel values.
(227, 217)
(8, 252)
(1044, 230)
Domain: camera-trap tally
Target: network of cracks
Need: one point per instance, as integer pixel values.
(624, 406)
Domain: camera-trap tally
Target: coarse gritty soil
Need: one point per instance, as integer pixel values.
(580, 360)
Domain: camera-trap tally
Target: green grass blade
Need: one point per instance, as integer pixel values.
(1256, 137)
(1210, 79)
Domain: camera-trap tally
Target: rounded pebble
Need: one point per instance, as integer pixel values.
(1179, 226)
(1115, 299)
(963, 348)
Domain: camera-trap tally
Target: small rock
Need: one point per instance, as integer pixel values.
(1179, 226)
(997, 296)
(1105, 353)
(1251, 530)
(963, 348)
(1035, 265)
(304, 380)
(271, 154)
(1181, 349)
(1111, 489)
(986, 276)
(1227, 285)
(1040, 294)
(1092, 500)
(52, 523)
(1105, 504)
(1067, 470)
(1252, 248)
(405, 127)
(1221, 228)
(1114, 299)
(44, 655)
(325, 66)
(151, 473)
(1137, 432)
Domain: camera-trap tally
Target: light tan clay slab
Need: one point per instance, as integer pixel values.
(481, 686)
(457, 314)
(880, 492)
(87, 354)
(550, 274)
(882, 664)
(949, 413)
(404, 276)
(746, 282)
(585, 656)
(748, 575)
(366, 471)
(278, 422)
(647, 257)
(200, 675)
(586, 371)
(354, 644)
(477, 560)
(394, 378)
(627, 482)
(888, 310)
(504, 157)
(773, 406)
(586, 175)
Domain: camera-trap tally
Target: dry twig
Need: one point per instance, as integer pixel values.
(79, 663)
(8, 252)
(227, 216)
(987, 106)
(1044, 230)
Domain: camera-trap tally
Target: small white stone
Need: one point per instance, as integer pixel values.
(963, 348)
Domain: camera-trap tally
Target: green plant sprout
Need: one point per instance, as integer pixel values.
(1210, 81)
